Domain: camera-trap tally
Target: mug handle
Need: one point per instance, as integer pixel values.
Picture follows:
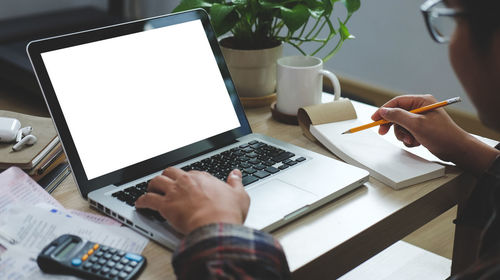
(335, 82)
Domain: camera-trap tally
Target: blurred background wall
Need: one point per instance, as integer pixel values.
(392, 48)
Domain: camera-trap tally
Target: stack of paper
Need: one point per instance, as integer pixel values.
(28, 157)
(366, 149)
(385, 161)
(40, 159)
(30, 218)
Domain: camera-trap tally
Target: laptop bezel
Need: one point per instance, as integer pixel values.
(141, 169)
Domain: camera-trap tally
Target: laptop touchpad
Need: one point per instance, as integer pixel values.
(272, 201)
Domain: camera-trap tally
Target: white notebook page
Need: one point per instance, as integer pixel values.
(366, 149)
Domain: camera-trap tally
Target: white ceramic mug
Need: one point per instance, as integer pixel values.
(299, 83)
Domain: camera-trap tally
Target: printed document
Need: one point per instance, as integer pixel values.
(30, 218)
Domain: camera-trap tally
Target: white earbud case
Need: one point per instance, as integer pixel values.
(8, 129)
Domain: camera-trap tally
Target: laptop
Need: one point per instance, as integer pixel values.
(131, 99)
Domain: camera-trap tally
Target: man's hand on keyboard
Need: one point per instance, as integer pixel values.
(189, 200)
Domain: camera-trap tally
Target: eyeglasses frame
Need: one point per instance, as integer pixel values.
(428, 9)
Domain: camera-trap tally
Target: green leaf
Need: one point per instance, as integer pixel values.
(316, 9)
(352, 5)
(191, 4)
(220, 11)
(328, 6)
(266, 4)
(316, 13)
(223, 18)
(313, 4)
(296, 17)
(344, 32)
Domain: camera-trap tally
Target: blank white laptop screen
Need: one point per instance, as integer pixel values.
(134, 97)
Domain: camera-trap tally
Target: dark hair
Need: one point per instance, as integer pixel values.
(484, 19)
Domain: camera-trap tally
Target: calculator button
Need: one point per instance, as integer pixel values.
(98, 254)
(110, 263)
(102, 261)
(107, 255)
(96, 246)
(105, 270)
(119, 266)
(96, 267)
(133, 263)
(113, 272)
(122, 275)
(85, 257)
(120, 253)
(124, 261)
(104, 248)
(116, 258)
(87, 265)
(76, 262)
(133, 257)
(112, 251)
(90, 252)
(93, 259)
(128, 269)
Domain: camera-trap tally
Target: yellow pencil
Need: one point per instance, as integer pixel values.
(415, 111)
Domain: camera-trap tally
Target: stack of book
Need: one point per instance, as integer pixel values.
(44, 161)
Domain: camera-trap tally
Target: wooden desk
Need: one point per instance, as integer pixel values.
(337, 237)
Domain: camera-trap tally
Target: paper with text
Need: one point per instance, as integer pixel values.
(33, 218)
(16, 186)
(16, 264)
(34, 227)
(98, 219)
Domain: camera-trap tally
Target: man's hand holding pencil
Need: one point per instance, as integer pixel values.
(433, 129)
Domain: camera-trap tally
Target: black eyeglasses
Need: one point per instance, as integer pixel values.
(440, 19)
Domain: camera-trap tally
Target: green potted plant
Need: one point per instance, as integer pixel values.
(259, 28)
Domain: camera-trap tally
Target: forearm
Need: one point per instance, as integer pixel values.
(473, 155)
(230, 252)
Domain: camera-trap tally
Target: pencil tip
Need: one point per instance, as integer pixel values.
(346, 132)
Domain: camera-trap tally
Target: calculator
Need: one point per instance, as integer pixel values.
(71, 255)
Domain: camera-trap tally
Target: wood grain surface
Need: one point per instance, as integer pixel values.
(336, 237)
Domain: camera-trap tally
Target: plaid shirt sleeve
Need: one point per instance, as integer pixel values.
(225, 251)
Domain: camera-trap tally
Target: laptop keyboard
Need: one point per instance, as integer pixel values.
(255, 159)
(131, 194)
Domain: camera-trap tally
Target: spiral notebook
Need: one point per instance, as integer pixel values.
(385, 161)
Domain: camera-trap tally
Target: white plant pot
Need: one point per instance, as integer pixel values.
(253, 71)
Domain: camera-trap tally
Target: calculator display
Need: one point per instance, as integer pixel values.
(62, 254)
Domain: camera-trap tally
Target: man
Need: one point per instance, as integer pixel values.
(212, 212)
